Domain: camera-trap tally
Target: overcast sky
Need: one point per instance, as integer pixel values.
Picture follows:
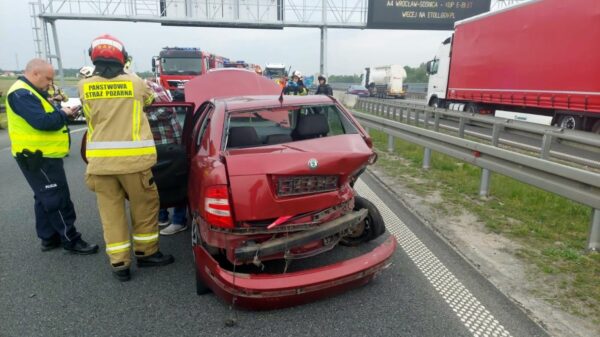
(349, 50)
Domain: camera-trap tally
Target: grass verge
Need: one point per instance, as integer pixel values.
(551, 229)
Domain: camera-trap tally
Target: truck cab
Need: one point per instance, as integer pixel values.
(438, 70)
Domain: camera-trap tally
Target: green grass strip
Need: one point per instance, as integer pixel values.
(553, 230)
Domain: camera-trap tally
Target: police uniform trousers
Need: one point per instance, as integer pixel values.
(54, 211)
(111, 194)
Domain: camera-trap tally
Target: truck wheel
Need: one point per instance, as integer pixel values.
(472, 108)
(371, 228)
(596, 127)
(434, 102)
(570, 122)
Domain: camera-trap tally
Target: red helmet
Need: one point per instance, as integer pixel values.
(107, 48)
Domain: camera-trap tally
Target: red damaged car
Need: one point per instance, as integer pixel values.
(268, 180)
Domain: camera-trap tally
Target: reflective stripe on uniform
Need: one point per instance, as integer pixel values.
(135, 126)
(118, 247)
(120, 152)
(88, 119)
(120, 144)
(146, 237)
(39, 138)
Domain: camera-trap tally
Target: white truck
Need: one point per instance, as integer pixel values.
(275, 70)
(385, 81)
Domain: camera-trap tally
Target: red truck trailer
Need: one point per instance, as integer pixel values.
(540, 57)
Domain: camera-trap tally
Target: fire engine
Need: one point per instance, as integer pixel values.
(174, 66)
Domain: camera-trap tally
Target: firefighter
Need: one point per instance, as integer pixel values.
(296, 86)
(120, 152)
(39, 140)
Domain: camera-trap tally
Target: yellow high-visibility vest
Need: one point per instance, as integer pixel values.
(53, 144)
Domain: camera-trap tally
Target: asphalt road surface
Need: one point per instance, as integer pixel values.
(428, 291)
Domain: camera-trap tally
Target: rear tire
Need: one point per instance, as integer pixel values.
(434, 102)
(472, 108)
(570, 122)
(371, 228)
(596, 127)
(201, 288)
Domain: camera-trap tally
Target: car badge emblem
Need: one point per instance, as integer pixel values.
(312, 163)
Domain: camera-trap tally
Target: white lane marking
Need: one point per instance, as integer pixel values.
(71, 132)
(469, 310)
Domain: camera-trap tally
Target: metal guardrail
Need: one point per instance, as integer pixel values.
(421, 125)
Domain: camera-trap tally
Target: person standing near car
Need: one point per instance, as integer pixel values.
(166, 130)
(296, 86)
(323, 88)
(39, 140)
(120, 151)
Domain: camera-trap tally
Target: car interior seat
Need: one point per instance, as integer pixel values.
(242, 136)
(310, 126)
(278, 139)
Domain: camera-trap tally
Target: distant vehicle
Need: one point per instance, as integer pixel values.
(358, 90)
(385, 81)
(236, 64)
(274, 71)
(269, 180)
(539, 58)
(73, 102)
(174, 66)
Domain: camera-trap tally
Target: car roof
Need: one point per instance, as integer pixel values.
(269, 101)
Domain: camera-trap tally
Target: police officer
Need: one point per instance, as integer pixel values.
(323, 88)
(39, 140)
(120, 152)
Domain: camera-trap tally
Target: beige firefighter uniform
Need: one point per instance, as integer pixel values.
(120, 152)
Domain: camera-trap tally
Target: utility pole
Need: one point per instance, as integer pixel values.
(17, 59)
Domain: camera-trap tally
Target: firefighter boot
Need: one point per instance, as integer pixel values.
(155, 260)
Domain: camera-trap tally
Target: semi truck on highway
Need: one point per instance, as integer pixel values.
(537, 58)
(385, 81)
(174, 66)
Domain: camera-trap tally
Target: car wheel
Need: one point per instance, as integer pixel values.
(434, 102)
(570, 122)
(371, 228)
(201, 287)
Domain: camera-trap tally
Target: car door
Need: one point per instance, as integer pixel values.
(171, 169)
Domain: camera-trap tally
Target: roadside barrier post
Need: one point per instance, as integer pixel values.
(461, 127)
(427, 159)
(546, 142)
(484, 187)
(390, 145)
(594, 237)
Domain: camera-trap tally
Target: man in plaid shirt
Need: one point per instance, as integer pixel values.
(166, 130)
(163, 122)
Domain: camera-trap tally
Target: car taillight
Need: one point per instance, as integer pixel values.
(217, 209)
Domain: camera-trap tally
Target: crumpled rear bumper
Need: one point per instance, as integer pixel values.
(271, 291)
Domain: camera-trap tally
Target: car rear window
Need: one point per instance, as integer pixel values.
(283, 125)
